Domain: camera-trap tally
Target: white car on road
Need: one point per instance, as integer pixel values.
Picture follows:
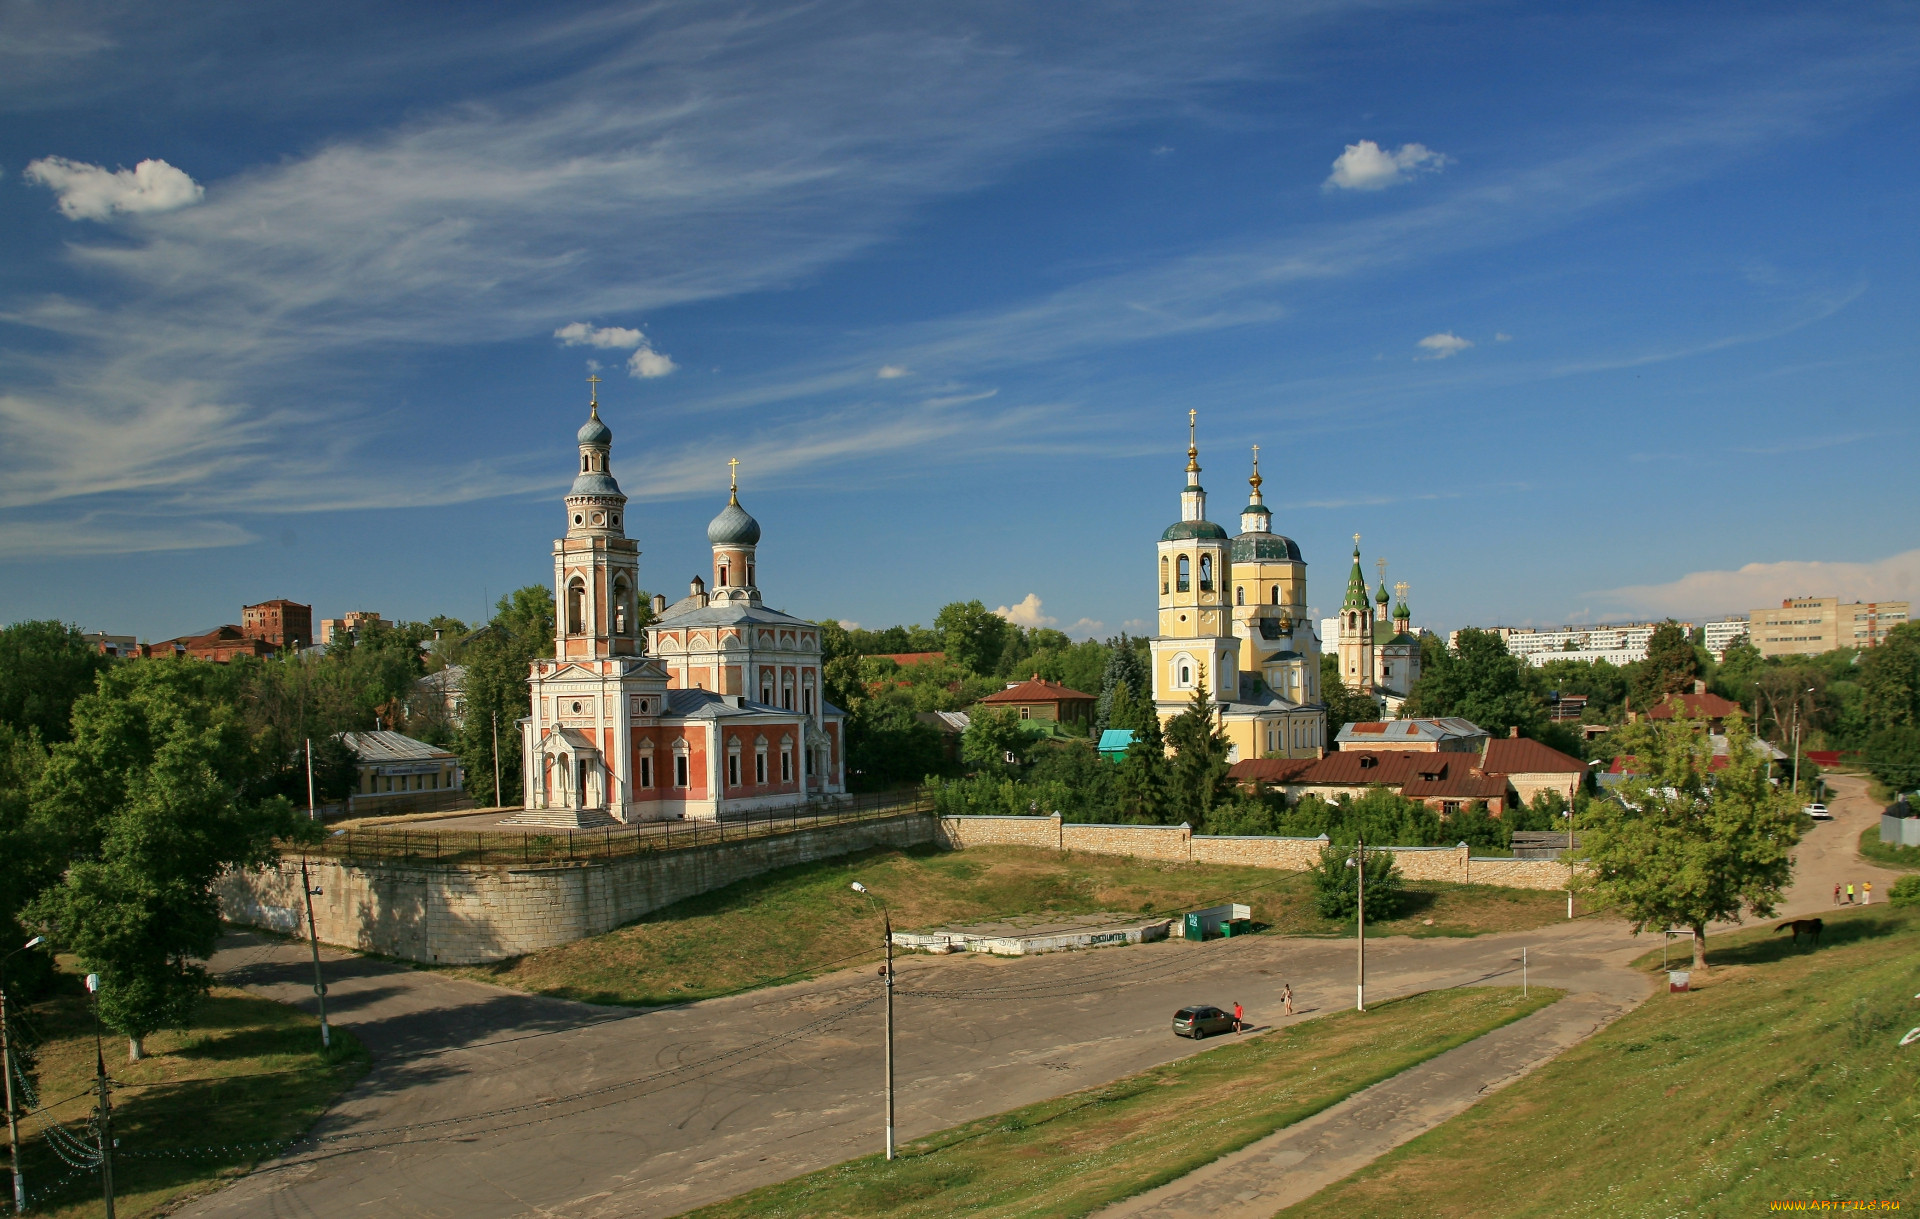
(1818, 812)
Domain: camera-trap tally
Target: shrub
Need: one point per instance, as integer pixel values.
(1905, 891)
(1336, 886)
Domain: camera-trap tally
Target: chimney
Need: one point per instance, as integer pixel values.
(1699, 686)
(659, 604)
(1513, 731)
(697, 589)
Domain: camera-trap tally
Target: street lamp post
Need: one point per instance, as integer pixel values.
(104, 1132)
(1359, 860)
(1796, 745)
(6, 1068)
(886, 974)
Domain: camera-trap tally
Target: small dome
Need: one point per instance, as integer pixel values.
(733, 527)
(1181, 531)
(595, 432)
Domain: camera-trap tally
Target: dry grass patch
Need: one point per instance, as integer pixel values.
(1781, 1078)
(805, 920)
(204, 1106)
(1076, 1153)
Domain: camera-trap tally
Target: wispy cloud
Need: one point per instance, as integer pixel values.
(1894, 578)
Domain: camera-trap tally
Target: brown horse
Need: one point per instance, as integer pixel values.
(1809, 927)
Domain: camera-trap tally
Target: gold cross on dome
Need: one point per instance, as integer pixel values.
(1400, 586)
(1381, 563)
(593, 391)
(733, 473)
(1356, 539)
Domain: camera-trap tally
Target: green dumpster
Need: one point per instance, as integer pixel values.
(1196, 930)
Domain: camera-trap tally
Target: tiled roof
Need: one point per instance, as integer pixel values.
(1706, 706)
(1034, 690)
(1520, 756)
(388, 746)
(1447, 728)
(1466, 785)
(1270, 770)
(903, 659)
(1358, 767)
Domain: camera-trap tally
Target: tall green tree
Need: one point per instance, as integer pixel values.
(1198, 780)
(1893, 757)
(1336, 885)
(1686, 845)
(44, 667)
(992, 738)
(1141, 788)
(30, 850)
(158, 793)
(973, 635)
(1480, 681)
(1344, 706)
(499, 662)
(1890, 679)
(1125, 667)
(1670, 667)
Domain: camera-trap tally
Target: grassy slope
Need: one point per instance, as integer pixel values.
(1076, 1153)
(1888, 854)
(805, 919)
(1780, 1079)
(248, 1073)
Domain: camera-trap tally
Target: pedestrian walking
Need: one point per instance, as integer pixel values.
(1836, 895)
(1236, 1015)
(1286, 998)
(1867, 897)
(1849, 893)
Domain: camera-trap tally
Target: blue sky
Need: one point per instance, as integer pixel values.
(1573, 313)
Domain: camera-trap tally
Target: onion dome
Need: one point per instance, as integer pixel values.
(593, 431)
(1181, 531)
(1381, 596)
(733, 527)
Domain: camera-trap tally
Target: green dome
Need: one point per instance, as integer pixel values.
(1256, 547)
(1181, 531)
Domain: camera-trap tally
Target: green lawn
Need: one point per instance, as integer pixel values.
(1891, 855)
(804, 920)
(205, 1105)
(1781, 1078)
(1079, 1152)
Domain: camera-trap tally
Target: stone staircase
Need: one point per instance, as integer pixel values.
(564, 818)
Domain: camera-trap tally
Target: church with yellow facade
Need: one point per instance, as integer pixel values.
(1233, 615)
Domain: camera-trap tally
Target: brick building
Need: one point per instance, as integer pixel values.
(282, 623)
(1036, 699)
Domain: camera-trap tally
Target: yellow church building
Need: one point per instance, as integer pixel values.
(1233, 614)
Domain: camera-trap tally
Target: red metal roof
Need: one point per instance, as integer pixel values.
(1520, 756)
(1467, 785)
(1705, 706)
(903, 659)
(1034, 690)
(1269, 770)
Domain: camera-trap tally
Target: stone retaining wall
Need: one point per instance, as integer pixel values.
(470, 914)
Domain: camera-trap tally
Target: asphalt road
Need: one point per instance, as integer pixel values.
(484, 1102)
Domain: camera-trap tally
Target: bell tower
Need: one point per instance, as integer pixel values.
(596, 567)
(1356, 630)
(1195, 639)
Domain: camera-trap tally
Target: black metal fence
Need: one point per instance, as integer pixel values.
(399, 844)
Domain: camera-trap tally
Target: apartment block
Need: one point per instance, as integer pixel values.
(1808, 626)
(1722, 633)
(1622, 643)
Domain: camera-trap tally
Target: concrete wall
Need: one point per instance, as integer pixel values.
(1900, 831)
(465, 915)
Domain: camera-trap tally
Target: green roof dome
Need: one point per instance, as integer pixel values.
(1257, 547)
(1181, 531)
(733, 527)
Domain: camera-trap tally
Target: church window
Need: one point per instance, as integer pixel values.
(680, 770)
(576, 606)
(584, 467)
(576, 708)
(1163, 575)
(1183, 571)
(760, 766)
(1276, 594)
(1240, 595)
(786, 765)
(1206, 573)
(723, 574)
(622, 598)
(578, 519)
(807, 694)
(1186, 676)
(646, 770)
(616, 520)
(733, 770)
(749, 575)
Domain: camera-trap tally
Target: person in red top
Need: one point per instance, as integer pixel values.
(1236, 1016)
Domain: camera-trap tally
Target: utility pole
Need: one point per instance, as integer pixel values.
(313, 814)
(313, 942)
(6, 1069)
(886, 974)
(497, 802)
(105, 1129)
(1359, 860)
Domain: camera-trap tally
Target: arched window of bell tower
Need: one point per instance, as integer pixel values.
(1163, 575)
(586, 463)
(1185, 573)
(576, 606)
(1206, 573)
(622, 605)
(722, 574)
(1276, 594)
(1240, 595)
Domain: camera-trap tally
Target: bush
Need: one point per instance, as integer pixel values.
(1905, 891)
(1336, 886)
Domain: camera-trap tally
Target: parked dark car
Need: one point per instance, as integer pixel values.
(1199, 1020)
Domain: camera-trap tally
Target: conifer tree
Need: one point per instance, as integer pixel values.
(1142, 786)
(1199, 772)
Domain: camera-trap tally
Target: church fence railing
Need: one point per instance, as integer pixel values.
(458, 848)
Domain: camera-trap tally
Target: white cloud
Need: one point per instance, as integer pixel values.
(1087, 628)
(1894, 578)
(1027, 612)
(586, 334)
(1367, 166)
(647, 362)
(889, 371)
(91, 192)
(849, 624)
(1502, 337)
(644, 362)
(1446, 343)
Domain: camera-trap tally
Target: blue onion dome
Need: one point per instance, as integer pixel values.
(595, 432)
(733, 527)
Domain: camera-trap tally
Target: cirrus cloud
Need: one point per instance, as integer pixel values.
(93, 192)
(1367, 166)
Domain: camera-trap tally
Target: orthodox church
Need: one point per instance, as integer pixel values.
(633, 723)
(1379, 653)
(1233, 614)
